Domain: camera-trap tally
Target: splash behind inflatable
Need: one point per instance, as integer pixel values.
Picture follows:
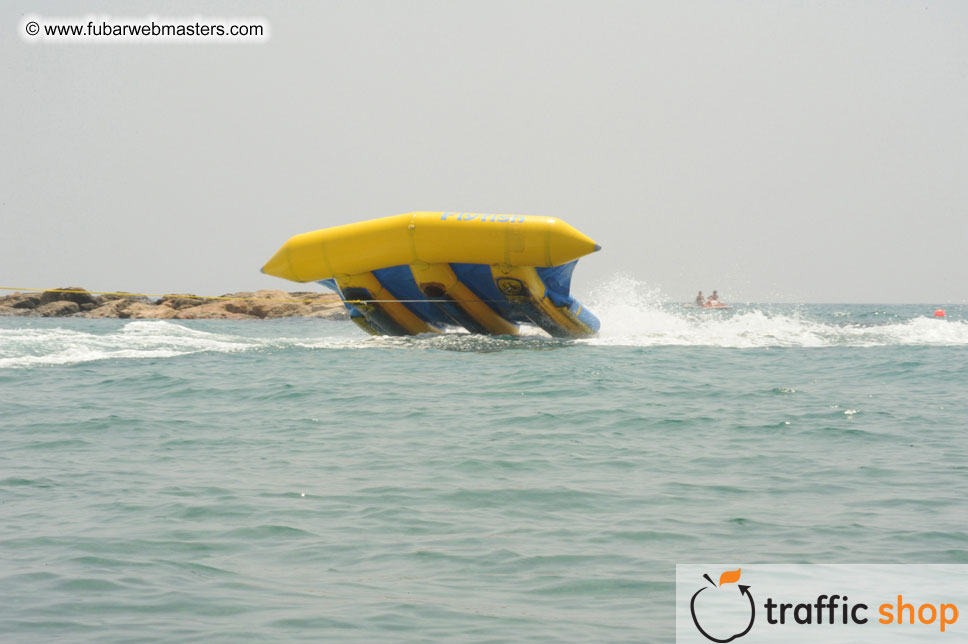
(423, 271)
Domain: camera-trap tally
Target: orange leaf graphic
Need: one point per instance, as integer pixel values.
(729, 577)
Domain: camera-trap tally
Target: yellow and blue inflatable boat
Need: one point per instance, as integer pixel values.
(423, 271)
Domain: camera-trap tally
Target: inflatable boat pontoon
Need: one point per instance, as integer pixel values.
(423, 271)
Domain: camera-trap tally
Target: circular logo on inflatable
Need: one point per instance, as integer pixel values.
(510, 285)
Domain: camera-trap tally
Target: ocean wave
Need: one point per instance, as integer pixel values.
(632, 315)
(139, 339)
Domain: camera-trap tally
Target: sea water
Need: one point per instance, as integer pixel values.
(297, 480)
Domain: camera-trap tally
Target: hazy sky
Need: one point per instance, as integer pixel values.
(776, 151)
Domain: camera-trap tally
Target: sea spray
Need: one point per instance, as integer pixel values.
(632, 313)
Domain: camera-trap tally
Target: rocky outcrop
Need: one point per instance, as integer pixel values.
(179, 302)
(146, 311)
(265, 304)
(57, 309)
(21, 301)
(68, 294)
(113, 308)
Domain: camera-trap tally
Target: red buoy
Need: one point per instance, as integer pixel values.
(939, 313)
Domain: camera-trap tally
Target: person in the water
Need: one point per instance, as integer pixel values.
(700, 300)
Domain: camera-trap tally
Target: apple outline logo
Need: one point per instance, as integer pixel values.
(743, 590)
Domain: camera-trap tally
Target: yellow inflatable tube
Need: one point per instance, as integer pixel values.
(423, 238)
(439, 281)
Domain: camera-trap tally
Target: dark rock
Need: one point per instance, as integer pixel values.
(57, 309)
(21, 301)
(76, 295)
(181, 301)
(329, 312)
(212, 311)
(119, 295)
(111, 309)
(279, 310)
(242, 307)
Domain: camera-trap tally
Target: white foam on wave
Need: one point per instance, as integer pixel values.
(32, 347)
(139, 339)
(632, 314)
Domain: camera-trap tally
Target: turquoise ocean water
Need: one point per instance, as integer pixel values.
(296, 480)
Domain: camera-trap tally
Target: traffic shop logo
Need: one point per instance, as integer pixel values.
(723, 612)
